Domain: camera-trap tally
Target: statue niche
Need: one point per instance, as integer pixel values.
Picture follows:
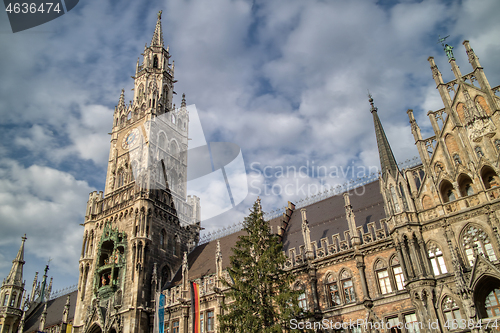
(111, 262)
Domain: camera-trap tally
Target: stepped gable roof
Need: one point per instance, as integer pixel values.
(55, 308)
(327, 217)
(201, 261)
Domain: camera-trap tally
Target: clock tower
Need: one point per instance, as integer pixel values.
(135, 233)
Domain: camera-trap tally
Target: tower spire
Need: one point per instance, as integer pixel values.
(158, 35)
(15, 276)
(387, 160)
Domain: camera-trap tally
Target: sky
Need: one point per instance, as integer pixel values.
(285, 80)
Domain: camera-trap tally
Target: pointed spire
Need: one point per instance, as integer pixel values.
(121, 101)
(387, 160)
(158, 35)
(15, 276)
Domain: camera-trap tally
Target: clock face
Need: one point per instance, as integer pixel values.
(130, 139)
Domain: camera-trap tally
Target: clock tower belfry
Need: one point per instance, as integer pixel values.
(136, 231)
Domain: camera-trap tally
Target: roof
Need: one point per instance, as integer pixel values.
(55, 308)
(326, 218)
(201, 261)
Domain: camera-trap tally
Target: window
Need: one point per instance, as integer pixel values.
(447, 191)
(489, 177)
(475, 241)
(175, 326)
(163, 236)
(394, 200)
(451, 311)
(397, 270)
(394, 325)
(497, 144)
(465, 185)
(155, 61)
(492, 303)
(437, 260)
(347, 287)
(479, 152)
(210, 321)
(202, 323)
(332, 291)
(383, 277)
(13, 300)
(411, 323)
(302, 300)
(6, 299)
(166, 327)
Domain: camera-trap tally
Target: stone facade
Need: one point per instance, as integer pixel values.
(419, 245)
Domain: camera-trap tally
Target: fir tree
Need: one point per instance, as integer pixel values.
(260, 290)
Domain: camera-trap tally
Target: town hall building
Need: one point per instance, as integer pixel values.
(419, 249)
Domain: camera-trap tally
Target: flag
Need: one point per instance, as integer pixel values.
(195, 306)
(161, 313)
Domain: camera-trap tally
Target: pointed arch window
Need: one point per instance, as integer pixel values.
(332, 289)
(489, 177)
(5, 299)
(465, 185)
(479, 152)
(302, 298)
(13, 300)
(383, 278)
(437, 260)
(155, 61)
(397, 270)
(451, 311)
(394, 198)
(475, 240)
(347, 287)
(447, 192)
(163, 236)
(492, 303)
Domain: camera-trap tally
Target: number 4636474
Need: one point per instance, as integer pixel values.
(26, 8)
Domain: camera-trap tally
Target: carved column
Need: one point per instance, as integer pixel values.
(416, 259)
(407, 261)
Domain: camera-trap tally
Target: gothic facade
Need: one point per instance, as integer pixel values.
(136, 231)
(418, 250)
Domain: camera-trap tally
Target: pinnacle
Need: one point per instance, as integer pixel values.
(158, 35)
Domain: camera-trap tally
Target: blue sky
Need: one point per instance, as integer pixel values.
(286, 80)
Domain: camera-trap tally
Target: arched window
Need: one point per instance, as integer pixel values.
(176, 246)
(394, 198)
(476, 241)
(451, 311)
(403, 196)
(121, 178)
(465, 185)
(173, 149)
(162, 238)
(479, 152)
(332, 290)
(5, 299)
(162, 141)
(492, 303)
(497, 144)
(447, 192)
(489, 177)
(384, 281)
(13, 300)
(155, 61)
(437, 259)
(302, 299)
(347, 287)
(397, 270)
